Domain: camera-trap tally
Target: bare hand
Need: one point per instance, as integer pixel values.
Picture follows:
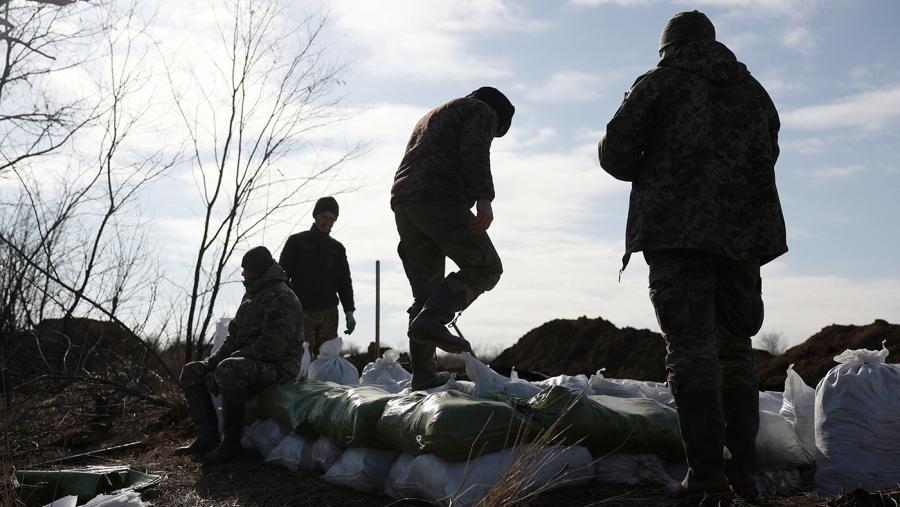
(484, 215)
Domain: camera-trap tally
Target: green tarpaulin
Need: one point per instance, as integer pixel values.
(349, 417)
(85, 483)
(290, 405)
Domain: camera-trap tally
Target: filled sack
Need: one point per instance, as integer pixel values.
(330, 366)
(349, 417)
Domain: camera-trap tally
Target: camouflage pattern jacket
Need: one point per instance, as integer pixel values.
(698, 138)
(268, 325)
(317, 266)
(448, 155)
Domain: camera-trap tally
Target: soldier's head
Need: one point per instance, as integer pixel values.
(256, 262)
(682, 28)
(325, 213)
(501, 105)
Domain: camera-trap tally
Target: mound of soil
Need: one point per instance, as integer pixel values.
(813, 358)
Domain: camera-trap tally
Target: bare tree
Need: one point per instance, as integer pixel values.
(269, 94)
(772, 342)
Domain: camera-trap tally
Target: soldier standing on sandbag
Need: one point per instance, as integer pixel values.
(263, 348)
(319, 272)
(698, 138)
(445, 171)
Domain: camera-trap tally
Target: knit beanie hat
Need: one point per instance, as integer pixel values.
(501, 105)
(687, 27)
(326, 204)
(257, 260)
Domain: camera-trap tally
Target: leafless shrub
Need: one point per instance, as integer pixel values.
(772, 342)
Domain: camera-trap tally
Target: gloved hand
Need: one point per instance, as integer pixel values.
(351, 322)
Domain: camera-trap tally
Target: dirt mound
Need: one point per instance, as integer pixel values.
(813, 358)
(585, 345)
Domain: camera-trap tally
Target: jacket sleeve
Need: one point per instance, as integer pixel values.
(289, 260)
(345, 283)
(275, 334)
(475, 152)
(622, 148)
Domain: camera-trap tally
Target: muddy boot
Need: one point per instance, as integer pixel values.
(429, 327)
(232, 424)
(424, 367)
(206, 423)
(703, 436)
(741, 408)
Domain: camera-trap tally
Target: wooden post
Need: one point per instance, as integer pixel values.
(377, 309)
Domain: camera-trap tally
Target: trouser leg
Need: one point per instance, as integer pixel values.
(200, 406)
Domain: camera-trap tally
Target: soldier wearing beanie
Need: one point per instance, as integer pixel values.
(263, 348)
(445, 171)
(320, 274)
(698, 138)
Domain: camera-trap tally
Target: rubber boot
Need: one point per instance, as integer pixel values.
(232, 424)
(424, 367)
(703, 435)
(429, 327)
(741, 408)
(206, 423)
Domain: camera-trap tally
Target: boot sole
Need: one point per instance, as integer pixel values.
(456, 346)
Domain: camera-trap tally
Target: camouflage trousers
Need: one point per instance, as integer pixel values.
(430, 232)
(319, 326)
(707, 307)
(235, 374)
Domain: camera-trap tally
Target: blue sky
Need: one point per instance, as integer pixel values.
(831, 68)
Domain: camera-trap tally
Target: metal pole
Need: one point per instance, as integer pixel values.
(377, 309)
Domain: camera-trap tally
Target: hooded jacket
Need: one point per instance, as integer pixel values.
(268, 325)
(318, 269)
(698, 139)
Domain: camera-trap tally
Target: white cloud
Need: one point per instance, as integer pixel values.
(567, 86)
(781, 83)
(428, 40)
(807, 146)
(836, 172)
(870, 111)
(762, 8)
(800, 39)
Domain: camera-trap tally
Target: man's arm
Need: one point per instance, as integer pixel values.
(622, 148)
(345, 283)
(475, 152)
(275, 334)
(289, 260)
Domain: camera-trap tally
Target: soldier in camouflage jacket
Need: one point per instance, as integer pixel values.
(698, 139)
(444, 172)
(263, 348)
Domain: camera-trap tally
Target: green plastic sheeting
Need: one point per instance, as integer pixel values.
(606, 424)
(451, 425)
(349, 417)
(290, 405)
(86, 483)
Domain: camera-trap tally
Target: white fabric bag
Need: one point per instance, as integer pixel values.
(325, 453)
(330, 366)
(857, 424)
(293, 452)
(488, 381)
(362, 469)
(265, 436)
(386, 373)
(798, 407)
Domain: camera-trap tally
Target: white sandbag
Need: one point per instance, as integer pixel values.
(330, 366)
(857, 424)
(66, 501)
(779, 483)
(126, 499)
(777, 446)
(325, 453)
(487, 381)
(293, 452)
(771, 401)
(577, 382)
(798, 408)
(628, 388)
(305, 361)
(362, 469)
(385, 370)
(467, 483)
(265, 436)
(463, 386)
(631, 469)
(220, 334)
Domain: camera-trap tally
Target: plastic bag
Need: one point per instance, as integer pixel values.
(265, 436)
(293, 452)
(777, 445)
(362, 469)
(126, 499)
(488, 382)
(349, 417)
(330, 366)
(466, 483)
(856, 424)
(305, 360)
(798, 407)
(627, 388)
(385, 370)
(771, 401)
(325, 453)
(576, 382)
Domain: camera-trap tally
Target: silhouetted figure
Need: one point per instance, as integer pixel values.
(445, 171)
(698, 138)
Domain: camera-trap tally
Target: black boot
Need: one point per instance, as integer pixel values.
(703, 436)
(429, 327)
(741, 407)
(232, 424)
(206, 423)
(424, 367)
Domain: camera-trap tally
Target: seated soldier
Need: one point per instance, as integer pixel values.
(263, 348)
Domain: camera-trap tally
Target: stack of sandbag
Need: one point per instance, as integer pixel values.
(857, 424)
(386, 373)
(349, 417)
(291, 405)
(330, 366)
